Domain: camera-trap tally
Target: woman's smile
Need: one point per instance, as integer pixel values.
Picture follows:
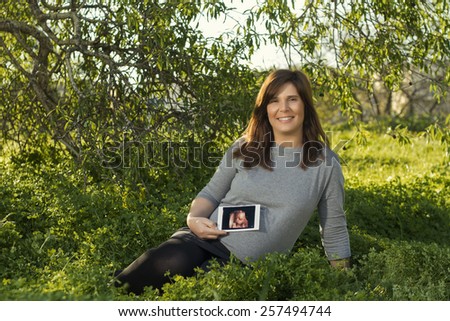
(285, 119)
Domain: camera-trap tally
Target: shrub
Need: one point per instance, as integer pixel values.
(63, 233)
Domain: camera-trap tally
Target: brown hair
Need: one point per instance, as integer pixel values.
(259, 134)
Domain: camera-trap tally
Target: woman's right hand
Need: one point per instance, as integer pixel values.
(204, 228)
(198, 220)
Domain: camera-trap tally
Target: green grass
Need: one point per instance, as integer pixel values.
(62, 233)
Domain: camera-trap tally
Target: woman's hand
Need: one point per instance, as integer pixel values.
(204, 228)
(343, 264)
(198, 220)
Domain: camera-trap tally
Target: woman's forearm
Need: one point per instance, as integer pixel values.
(201, 207)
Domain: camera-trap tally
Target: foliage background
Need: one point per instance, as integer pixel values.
(105, 105)
(62, 239)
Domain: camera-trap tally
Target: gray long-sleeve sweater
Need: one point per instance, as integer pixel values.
(288, 196)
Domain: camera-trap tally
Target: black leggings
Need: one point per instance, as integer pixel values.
(178, 256)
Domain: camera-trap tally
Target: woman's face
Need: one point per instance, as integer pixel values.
(286, 112)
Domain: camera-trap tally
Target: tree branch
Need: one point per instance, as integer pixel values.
(15, 62)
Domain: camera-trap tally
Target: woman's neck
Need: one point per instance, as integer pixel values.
(292, 142)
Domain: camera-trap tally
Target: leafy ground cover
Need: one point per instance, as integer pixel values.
(63, 232)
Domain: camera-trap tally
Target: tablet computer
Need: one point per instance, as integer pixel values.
(238, 218)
